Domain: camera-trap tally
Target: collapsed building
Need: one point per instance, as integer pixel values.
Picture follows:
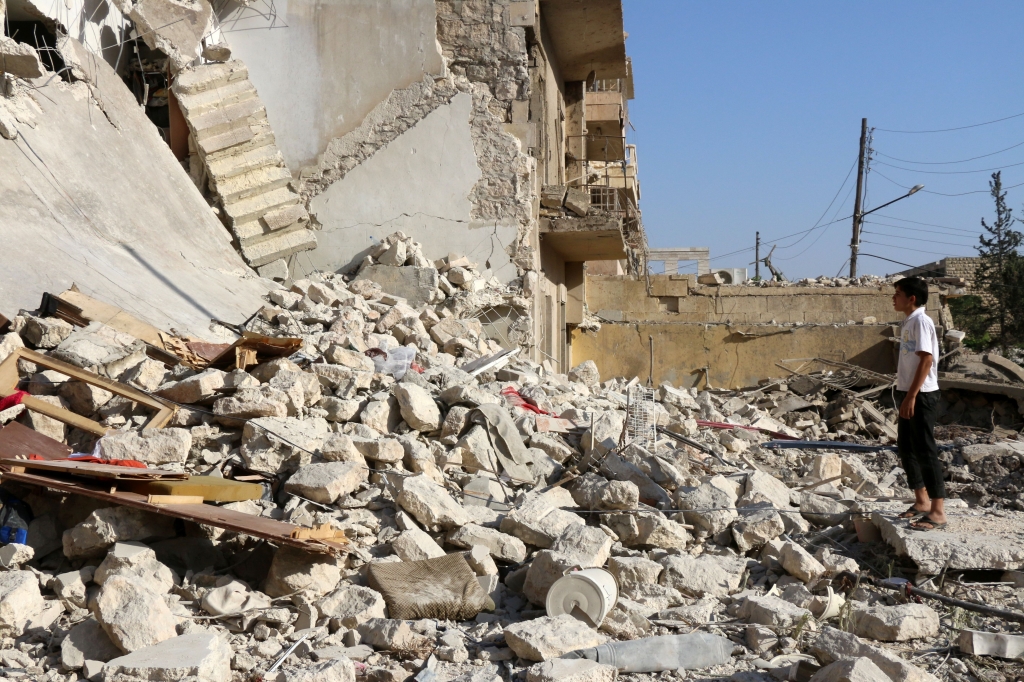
(332, 354)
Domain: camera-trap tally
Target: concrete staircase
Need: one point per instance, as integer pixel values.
(246, 171)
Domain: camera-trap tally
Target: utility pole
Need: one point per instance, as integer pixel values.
(757, 256)
(855, 243)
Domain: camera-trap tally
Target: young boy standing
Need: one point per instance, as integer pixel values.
(917, 394)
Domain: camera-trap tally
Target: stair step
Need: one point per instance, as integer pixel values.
(280, 245)
(252, 208)
(228, 166)
(250, 183)
(257, 136)
(223, 119)
(209, 76)
(281, 220)
(201, 102)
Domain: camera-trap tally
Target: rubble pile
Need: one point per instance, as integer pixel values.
(874, 281)
(465, 482)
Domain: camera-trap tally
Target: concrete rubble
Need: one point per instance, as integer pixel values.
(374, 427)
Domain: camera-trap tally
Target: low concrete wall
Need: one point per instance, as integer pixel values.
(735, 356)
(676, 299)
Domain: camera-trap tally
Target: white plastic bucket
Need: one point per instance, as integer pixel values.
(592, 590)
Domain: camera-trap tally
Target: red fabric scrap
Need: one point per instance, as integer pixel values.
(513, 396)
(12, 400)
(89, 459)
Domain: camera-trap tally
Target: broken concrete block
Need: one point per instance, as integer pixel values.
(756, 527)
(773, 611)
(276, 270)
(564, 670)
(500, 545)
(586, 373)
(44, 332)
(550, 637)
(136, 562)
(19, 60)
(654, 530)
(14, 555)
(267, 442)
(250, 403)
(711, 278)
(9, 343)
(174, 27)
(391, 635)
(798, 562)
(84, 398)
(588, 545)
(20, 601)
(103, 527)
(770, 487)
(552, 196)
(895, 623)
(201, 656)
(350, 605)
(97, 345)
(194, 388)
(430, 504)
(147, 375)
(479, 559)
(577, 201)
(545, 569)
(592, 491)
(339, 410)
(388, 450)
(133, 616)
(87, 641)
(346, 357)
(71, 586)
(540, 519)
(418, 407)
(293, 570)
(47, 426)
(835, 645)
(325, 483)
(708, 497)
(339, 669)
(415, 284)
(852, 670)
(631, 572)
(149, 446)
(703, 575)
(823, 511)
(415, 545)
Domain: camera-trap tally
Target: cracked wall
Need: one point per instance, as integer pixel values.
(322, 67)
(420, 184)
(434, 159)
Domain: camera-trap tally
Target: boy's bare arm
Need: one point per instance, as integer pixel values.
(923, 367)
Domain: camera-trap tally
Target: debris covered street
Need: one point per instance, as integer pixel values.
(442, 486)
(333, 349)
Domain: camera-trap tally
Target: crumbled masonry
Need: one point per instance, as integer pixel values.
(380, 427)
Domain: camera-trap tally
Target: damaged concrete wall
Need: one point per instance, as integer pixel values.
(111, 210)
(419, 184)
(675, 299)
(322, 67)
(734, 356)
(98, 26)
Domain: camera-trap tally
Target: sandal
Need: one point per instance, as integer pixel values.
(926, 524)
(912, 513)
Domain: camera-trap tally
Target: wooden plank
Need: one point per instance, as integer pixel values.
(174, 499)
(93, 310)
(66, 416)
(18, 441)
(92, 469)
(9, 379)
(278, 532)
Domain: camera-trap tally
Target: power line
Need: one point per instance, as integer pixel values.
(917, 222)
(944, 163)
(931, 172)
(949, 130)
(904, 248)
(915, 239)
(918, 229)
(943, 194)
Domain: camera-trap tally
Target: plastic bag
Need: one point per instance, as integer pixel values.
(395, 362)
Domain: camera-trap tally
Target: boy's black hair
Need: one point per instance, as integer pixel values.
(916, 287)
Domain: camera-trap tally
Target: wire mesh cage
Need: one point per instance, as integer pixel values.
(641, 424)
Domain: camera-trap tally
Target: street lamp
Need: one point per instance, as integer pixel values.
(858, 217)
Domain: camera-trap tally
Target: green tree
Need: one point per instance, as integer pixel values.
(1000, 274)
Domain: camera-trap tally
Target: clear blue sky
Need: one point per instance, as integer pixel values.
(747, 117)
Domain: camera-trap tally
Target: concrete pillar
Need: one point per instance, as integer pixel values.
(575, 128)
(703, 266)
(671, 267)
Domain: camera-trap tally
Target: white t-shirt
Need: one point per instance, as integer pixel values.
(917, 333)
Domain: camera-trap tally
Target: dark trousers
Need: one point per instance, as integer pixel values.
(916, 443)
